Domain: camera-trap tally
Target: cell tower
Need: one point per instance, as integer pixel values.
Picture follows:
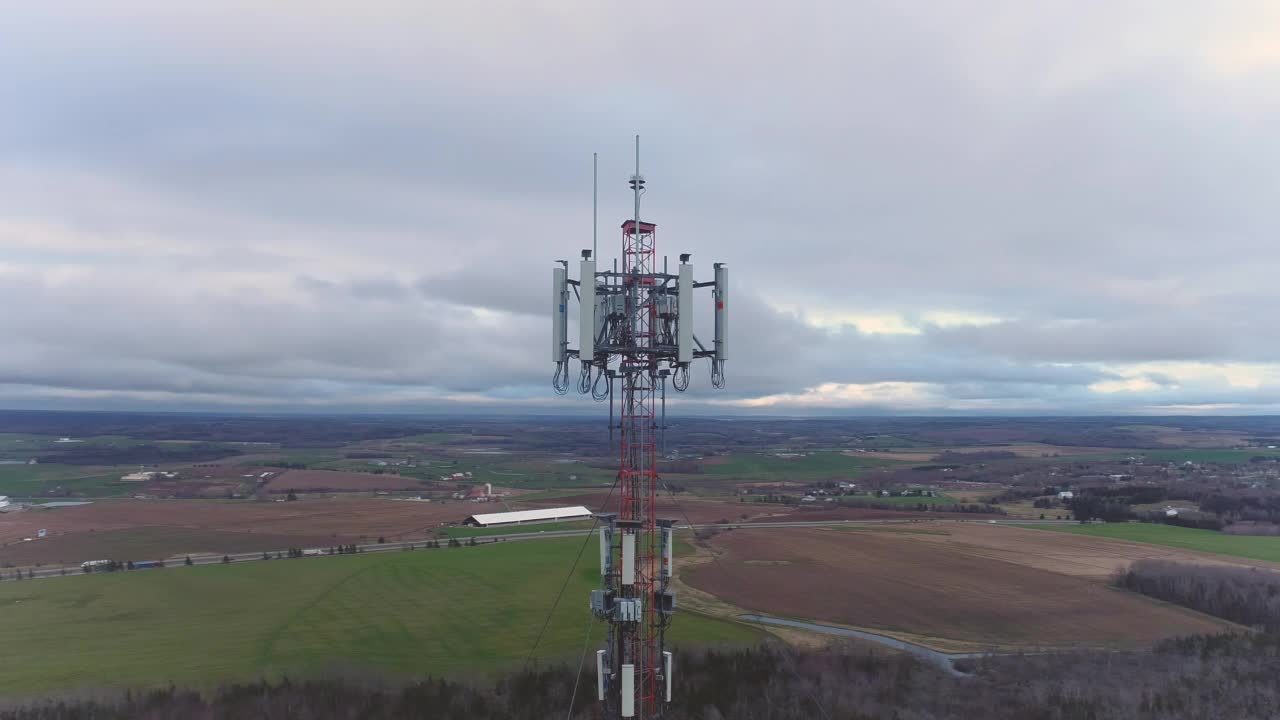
(635, 336)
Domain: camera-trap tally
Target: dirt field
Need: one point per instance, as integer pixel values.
(207, 489)
(1075, 555)
(261, 525)
(150, 543)
(336, 481)
(951, 581)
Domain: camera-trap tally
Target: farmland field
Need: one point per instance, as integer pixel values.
(1245, 546)
(427, 611)
(150, 543)
(697, 510)
(261, 524)
(1179, 455)
(801, 466)
(29, 480)
(909, 501)
(338, 481)
(967, 583)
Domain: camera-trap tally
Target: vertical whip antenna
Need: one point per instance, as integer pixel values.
(595, 194)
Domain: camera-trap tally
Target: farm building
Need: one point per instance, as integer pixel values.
(520, 517)
(145, 475)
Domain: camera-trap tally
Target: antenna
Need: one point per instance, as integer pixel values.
(636, 329)
(595, 223)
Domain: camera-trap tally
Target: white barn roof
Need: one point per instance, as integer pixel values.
(522, 516)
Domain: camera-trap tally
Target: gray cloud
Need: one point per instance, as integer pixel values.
(290, 205)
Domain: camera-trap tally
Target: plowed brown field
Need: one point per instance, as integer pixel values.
(956, 581)
(197, 525)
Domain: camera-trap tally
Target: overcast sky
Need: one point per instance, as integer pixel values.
(927, 207)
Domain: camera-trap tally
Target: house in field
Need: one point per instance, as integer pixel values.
(1066, 495)
(521, 517)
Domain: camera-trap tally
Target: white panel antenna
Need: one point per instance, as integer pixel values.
(587, 312)
(559, 314)
(684, 314)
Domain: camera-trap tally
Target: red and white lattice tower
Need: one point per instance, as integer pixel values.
(635, 338)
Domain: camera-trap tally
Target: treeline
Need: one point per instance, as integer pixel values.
(1257, 513)
(1094, 507)
(1249, 596)
(1265, 508)
(1208, 677)
(855, 502)
(975, 508)
(1249, 527)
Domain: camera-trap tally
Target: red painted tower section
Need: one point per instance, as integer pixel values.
(638, 470)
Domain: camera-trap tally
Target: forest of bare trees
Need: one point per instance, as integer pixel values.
(1203, 677)
(1249, 596)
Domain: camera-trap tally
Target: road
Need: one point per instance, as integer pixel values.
(214, 559)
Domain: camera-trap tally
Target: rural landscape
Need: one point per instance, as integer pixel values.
(960, 552)
(582, 360)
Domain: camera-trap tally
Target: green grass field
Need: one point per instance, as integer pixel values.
(446, 611)
(1246, 546)
(28, 480)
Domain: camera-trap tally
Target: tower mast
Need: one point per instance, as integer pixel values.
(635, 334)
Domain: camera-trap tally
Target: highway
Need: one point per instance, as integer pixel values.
(408, 545)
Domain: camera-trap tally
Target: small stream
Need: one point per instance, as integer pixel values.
(944, 660)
